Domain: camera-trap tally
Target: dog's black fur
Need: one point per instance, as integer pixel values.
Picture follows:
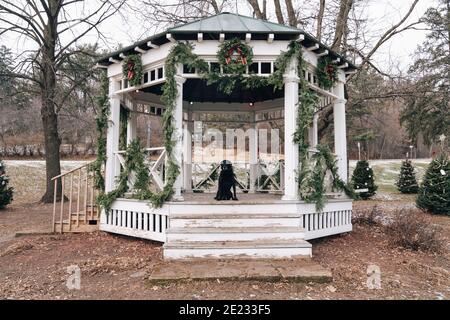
(227, 180)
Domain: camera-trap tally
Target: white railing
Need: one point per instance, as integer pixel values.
(136, 219)
(202, 176)
(326, 223)
(270, 177)
(156, 167)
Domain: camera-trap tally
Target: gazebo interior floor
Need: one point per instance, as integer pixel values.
(243, 198)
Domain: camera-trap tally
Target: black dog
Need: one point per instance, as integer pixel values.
(227, 179)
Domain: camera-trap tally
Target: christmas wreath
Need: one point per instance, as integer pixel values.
(234, 56)
(132, 69)
(326, 72)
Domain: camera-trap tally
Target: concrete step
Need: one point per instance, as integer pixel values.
(293, 270)
(258, 249)
(234, 220)
(235, 234)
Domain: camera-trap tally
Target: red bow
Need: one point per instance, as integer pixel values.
(239, 51)
(130, 67)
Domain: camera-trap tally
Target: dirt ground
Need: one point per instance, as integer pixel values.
(116, 267)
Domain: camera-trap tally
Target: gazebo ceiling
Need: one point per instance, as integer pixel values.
(231, 25)
(196, 90)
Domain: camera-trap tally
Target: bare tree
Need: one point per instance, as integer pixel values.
(178, 12)
(260, 14)
(293, 21)
(47, 24)
(278, 11)
(341, 23)
(320, 19)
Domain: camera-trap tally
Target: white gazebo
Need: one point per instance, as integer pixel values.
(270, 220)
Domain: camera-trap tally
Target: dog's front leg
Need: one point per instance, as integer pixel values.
(234, 190)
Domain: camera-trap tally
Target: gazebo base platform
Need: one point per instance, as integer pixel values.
(258, 226)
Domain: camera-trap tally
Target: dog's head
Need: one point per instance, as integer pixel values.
(226, 165)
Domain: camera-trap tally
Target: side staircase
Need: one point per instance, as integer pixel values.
(234, 235)
(76, 211)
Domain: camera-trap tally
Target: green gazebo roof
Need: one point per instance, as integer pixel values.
(232, 25)
(235, 23)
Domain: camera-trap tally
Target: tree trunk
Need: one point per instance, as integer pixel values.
(278, 11)
(320, 19)
(48, 109)
(256, 9)
(291, 13)
(341, 23)
(52, 143)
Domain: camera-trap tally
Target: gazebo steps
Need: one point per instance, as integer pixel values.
(234, 220)
(255, 249)
(234, 234)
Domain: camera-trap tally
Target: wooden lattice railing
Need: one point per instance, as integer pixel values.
(76, 210)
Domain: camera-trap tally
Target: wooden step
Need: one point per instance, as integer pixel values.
(235, 234)
(258, 249)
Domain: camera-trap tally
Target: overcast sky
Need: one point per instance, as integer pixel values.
(382, 14)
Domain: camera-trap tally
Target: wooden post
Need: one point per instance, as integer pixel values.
(79, 196)
(62, 205)
(178, 133)
(187, 152)
(54, 205)
(112, 170)
(340, 134)
(291, 81)
(70, 201)
(253, 151)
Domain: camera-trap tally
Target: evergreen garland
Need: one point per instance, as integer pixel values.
(6, 193)
(123, 120)
(326, 72)
(407, 182)
(434, 192)
(132, 69)
(101, 121)
(363, 178)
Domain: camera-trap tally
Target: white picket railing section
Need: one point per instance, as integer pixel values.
(136, 218)
(322, 224)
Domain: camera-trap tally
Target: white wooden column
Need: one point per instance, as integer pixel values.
(253, 151)
(131, 124)
(112, 169)
(313, 134)
(187, 151)
(178, 133)
(291, 81)
(340, 134)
